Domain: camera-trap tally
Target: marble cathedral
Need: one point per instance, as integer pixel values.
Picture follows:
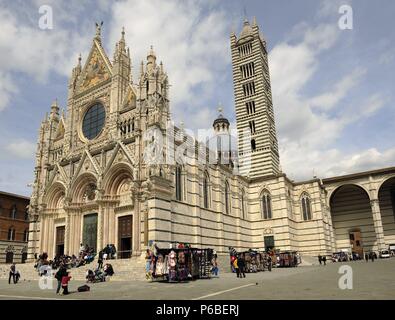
(94, 186)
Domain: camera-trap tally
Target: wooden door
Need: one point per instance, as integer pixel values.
(59, 242)
(125, 225)
(356, 242)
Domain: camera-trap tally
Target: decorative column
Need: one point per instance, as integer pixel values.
(43, 233)
(67, 235)
(378, 225)
(100, 229)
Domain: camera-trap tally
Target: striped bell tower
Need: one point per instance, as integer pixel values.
(257, 140)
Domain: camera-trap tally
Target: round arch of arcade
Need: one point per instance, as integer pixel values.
(352, 219)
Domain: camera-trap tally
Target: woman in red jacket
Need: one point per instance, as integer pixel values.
(65, 283)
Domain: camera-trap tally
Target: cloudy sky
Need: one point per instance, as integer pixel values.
(333, 89)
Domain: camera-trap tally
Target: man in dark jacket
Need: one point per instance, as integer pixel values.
(62, 272)
(12, 274)
(241, 264)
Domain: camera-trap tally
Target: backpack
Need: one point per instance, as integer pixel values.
(84, 288)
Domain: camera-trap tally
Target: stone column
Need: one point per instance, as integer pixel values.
(100, 229)
(378, 225)
(44, 243)
(67, 235)
(331, 231)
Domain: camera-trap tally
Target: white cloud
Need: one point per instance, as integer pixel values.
(36, 53)
(21, 149)
(331, 98)
(192, 43)
(7, 88)
(308, 125)
(364, 160)
(387, 57)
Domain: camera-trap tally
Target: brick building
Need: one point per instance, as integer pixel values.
(14, 227)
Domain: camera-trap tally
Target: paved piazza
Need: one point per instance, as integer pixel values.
(371, 281)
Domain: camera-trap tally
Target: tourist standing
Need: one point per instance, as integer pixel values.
(100, 260)
(214, 270)
(236, 266)
(147, 262)
(241, 264)
(366, 257)
(12, 274)
(269, 263)
(324, 260)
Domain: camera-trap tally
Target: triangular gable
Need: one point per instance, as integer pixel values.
(57, 174)
(85, 160)
(120, 151)
(97, 68)
(94, 163)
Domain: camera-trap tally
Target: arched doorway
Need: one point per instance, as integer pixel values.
(352, 219)
(387, 209)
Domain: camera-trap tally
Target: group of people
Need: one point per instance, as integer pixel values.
(109, 252)
(370, 256)
(62, 263)
(100, 273)
(354, 256)
(86, 255)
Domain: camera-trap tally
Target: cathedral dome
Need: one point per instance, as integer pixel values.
(221, 123)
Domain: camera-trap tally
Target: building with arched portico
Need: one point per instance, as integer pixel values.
(111, 170)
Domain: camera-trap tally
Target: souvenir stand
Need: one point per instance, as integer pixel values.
(181, 264)
(288, 259)
(255, 261)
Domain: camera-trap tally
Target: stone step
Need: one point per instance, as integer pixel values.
(126, 269)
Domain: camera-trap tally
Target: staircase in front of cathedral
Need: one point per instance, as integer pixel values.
(125, 270)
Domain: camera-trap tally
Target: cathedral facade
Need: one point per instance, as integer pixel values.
(110, 170)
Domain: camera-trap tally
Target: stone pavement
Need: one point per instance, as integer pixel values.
(370, 281)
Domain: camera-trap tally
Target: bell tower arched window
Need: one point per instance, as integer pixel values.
(306, 207)
(266, 204)
(243, 204)
(227, 198)
(178, 178)
(206, 191)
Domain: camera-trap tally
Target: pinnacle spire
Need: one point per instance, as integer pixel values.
(54, 109)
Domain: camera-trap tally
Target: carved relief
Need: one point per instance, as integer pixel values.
(90, 193)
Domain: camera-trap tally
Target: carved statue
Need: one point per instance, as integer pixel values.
(98, 29)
